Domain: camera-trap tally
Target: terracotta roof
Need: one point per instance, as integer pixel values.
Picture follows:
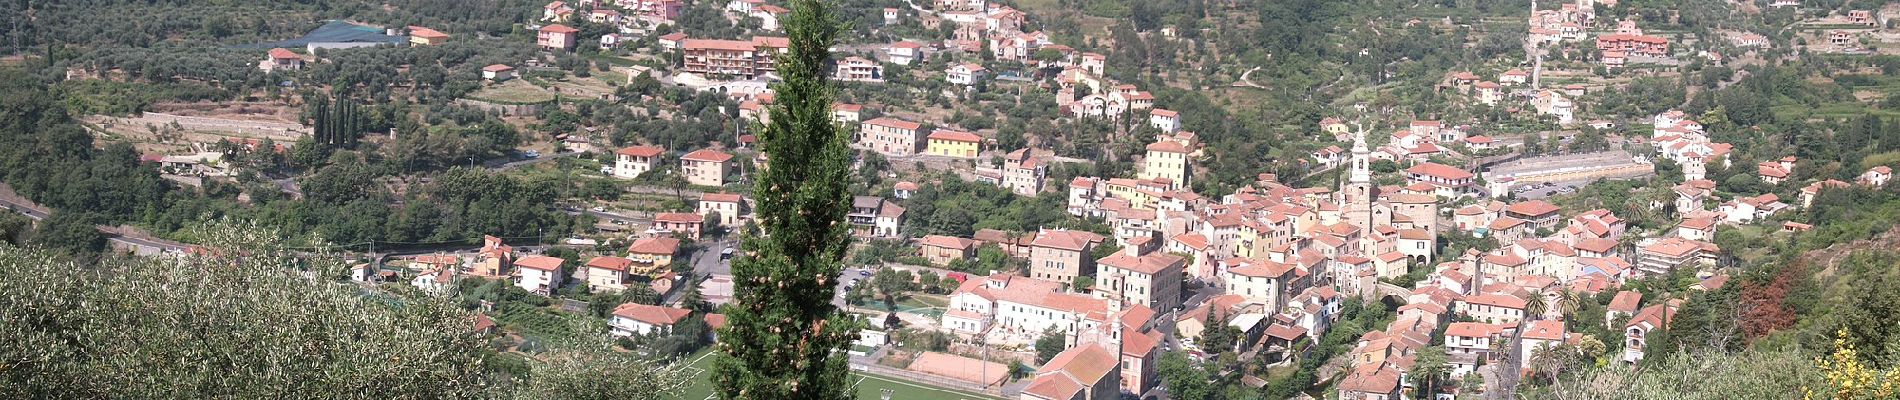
(1065, 239)
(610, 263)
(558, 28)
(1164, 112)
(1167, 146)
(709, 155)
(715, 320)
(717, 44)
(641, 151)
(1545, 329)
(947, 242)
(1262, 269)
(894, 123)
(955, 136)
(1151, 264)
(1439, 171)
(685, 218)
(1532, 208)
(543, 263)
(1497, 300)
(426, 32)
(652, 315)
(772, 42)
(1071, 371)
(280, 53)
(655, 245)
(1626, 301)
(722, 197)
(905, 185)
(675, 36)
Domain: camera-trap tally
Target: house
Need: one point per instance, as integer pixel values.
(966, 74)
(632, 161)
(1446, 181)
(279, 59)
(651, 255)
(1623, 305)
(1138, 276)
(1493, 308)
(1165, 120)
(873, 216)
(1380, 381)
(498, 72)
(903, 190)
(1876, 176)
(1840, 38)
(1489, 93)
(1060, 255)
(1615, 59)
(858, 69)
(769, 16)
(949, 143)
(1260, 281)
(728, 208)
(847, 113)
(905, 52)
(494, 259)
(706, 167)
(890, 16)
(421, 36)
(1022, 173)
(1813, 190)
(556, 11)
(1467, 342)
(1642, 45)
(556, 37)
(1539, 213)
(671, 41)
(1636, 331)
(1166, 160)
(745, 59)
(941, 250)
(1862, 17)
(891, 136)
(639, 319)
(1514, 77)
(1080, 373)
(1666, 255)
(1540, 335)
(539, 274)
(1774, 172)
(688, 224)
(607, 273)
(1696, 228)
(612, 40)
(438, 281)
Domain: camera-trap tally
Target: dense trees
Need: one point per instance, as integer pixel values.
(253, 327)
(783, 336)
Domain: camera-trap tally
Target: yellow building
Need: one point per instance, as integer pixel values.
(652, 255)
(950, 143)
(1167, 160)
(421, 36)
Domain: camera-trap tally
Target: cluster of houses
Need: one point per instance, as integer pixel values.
(644, 262)
(627, 17)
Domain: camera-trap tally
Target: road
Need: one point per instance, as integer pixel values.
(531, 161)
(163, 246)
(706, 262)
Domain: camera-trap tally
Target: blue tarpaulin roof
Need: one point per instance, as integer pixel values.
(337, 32)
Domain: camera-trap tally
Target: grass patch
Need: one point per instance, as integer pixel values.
(516, 91)
(870, 387)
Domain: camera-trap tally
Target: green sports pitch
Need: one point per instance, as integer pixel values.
(870, 387)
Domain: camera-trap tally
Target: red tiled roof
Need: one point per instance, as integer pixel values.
(281, 54)
(894, 123)
(1626, 301)
(955, 136)
(1532, 208)
(610, 263)
(543, 263)
(709, 155)
(947, 242)
(685, 218)
(655, 245)
(1065, 239)
(1168, 146)
(717, 44)
(1439, 171)
(652, 315)
(640, 151)
(558, 28)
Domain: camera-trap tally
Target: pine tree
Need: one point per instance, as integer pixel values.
(783, 334)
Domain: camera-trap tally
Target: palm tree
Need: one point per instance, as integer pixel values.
(1567, 303)
(1428, 367)
(1534, 307)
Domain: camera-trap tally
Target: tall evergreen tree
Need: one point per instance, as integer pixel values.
(783, 336)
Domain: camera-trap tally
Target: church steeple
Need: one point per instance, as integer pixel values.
(1360, 181)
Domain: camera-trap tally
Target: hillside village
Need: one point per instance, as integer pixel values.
(1027, 225)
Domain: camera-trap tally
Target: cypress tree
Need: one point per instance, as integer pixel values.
(783, 336)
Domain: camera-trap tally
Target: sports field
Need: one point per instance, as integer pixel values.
(870, 387)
